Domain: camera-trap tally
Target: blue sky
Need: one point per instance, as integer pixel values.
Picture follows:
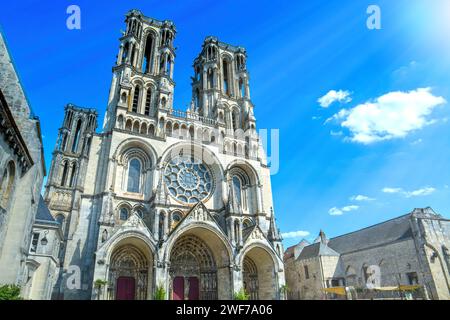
(386, 138)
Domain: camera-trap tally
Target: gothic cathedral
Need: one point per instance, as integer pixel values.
(163, 200)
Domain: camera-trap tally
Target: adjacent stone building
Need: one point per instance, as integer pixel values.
(22, 170)
(43, 257)
(161, 197)
(411, 249)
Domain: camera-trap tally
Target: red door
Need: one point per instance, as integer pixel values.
(125, 288)
(193, 288)
(178, 288)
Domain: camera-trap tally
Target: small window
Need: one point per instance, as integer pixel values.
(176, 217)
(64, 174)
(34, 242)
(140, 213)
(76, 139)
(237, 188)
(306, 272)
(123, 214)
(134, 173)
(135, 100)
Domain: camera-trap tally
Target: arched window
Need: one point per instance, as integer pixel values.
(168, 65)
(210, 78)
(237, 189)
(72, 175)
(123, 214)
(163, 102)
(140, 213)
(197, 74)
(134, 173)
(64, 142)
(226, 80)
(241, 88)
(197, 99)
(148, 100)
(133, 53)
(169, 129)
(151, 130)
(161, 65)
(64, 174)
(134, 107)
(146, 64)
(235, 119)
(125, 52)
(7, 183)
(176, 217)
(76, 138)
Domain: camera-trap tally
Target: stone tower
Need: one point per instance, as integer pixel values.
(66, 180)
(146, 56)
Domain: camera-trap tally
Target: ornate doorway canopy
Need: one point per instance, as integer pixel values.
(192, 260)
(128, 274)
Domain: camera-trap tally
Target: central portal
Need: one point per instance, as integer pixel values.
(190, 284)
(193, 270)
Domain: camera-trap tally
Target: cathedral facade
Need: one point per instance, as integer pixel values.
(163, 200)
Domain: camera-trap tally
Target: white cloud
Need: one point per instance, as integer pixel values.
(392, 115)
(408, 194)
(361, 197)
(295, 234)
(350, 208)
(340, 211)
(333, 96)
(392, 190)
(335, 211)
(420, 192)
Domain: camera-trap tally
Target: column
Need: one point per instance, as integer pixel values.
(119, 58)
(241, 240)
(156, 225)
(166, 225)
(259, 198)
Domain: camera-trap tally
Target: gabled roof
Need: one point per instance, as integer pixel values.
(43, 215)
(385, 232)
(317, 249)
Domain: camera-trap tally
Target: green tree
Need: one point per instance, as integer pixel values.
(10, 292)
(99, 284)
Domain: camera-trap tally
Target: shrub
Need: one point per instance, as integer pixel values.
(160, 293)
(10, 292)
(241, 295)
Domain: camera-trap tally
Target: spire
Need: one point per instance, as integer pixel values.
(274, 233)
(323, 237)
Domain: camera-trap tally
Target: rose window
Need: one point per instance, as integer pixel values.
(188, 180)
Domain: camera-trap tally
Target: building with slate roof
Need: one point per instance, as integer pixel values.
(44, 254)
(22, 170)
(407, 250)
